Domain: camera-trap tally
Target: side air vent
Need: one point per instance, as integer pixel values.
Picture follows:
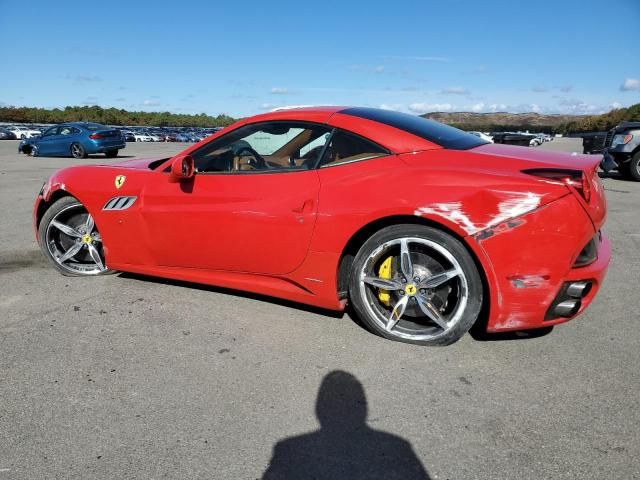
(119, 203)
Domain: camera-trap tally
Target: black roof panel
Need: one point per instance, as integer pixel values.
(436, 132)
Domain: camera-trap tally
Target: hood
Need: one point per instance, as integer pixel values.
(541, 158)
(138, 163)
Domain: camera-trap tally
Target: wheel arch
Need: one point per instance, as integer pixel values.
(358, 239)
(44, 205)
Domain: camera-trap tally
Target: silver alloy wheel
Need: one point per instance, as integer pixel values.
(76, 150)
(414, 287)
(74, 242)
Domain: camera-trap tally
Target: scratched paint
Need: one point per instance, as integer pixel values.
(514, 205)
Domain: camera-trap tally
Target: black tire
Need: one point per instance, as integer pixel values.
(78, 151)
(364, 301)
(111, 153)
(72, 205)
(633, 168)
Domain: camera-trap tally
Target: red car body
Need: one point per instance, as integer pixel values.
(285, 235)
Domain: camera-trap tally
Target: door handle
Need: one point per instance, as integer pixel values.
(306, 206)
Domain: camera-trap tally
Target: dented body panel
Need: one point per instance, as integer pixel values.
(284, 234)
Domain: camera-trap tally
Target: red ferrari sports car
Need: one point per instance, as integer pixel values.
(423, 228)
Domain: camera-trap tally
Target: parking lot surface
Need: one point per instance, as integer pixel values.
(124, 376)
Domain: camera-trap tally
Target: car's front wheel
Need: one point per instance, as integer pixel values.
(416, 284)
(70, 240)
(633, 168)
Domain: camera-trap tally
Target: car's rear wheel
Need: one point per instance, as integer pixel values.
(78, 151)
(416, 284)
(111, 153)
(68, 237)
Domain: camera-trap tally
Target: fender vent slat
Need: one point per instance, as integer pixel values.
(119, 203)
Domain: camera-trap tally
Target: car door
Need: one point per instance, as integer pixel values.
(46, 143)
(61, 145)
(251, 207)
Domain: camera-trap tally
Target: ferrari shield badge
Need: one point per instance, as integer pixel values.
(120, 180)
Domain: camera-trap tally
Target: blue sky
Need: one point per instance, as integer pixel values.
(243, 58)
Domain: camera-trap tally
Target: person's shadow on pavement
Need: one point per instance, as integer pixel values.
(345, 447)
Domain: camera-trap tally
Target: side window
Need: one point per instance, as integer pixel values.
(345, 148)
(267, 147)
(50, 131)
(66, 130)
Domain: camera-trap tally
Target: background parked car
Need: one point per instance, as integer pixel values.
(512, 138)
(23, 132)
(483, 136)
(128, 135)
(622, 150)
(6, 134)
(143, 137)
(77, 139)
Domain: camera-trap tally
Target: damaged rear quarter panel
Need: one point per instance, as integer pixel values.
(531, 261)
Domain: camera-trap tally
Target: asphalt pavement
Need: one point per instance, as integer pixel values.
(124, 376)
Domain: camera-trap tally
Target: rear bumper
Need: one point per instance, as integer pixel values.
(105, 147)
(532, 318)
(529, 266)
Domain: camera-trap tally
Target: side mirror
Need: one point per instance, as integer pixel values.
(182, 168)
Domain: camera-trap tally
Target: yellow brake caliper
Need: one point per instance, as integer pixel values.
(385, 272)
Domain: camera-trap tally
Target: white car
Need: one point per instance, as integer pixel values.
(483, 136)
(143, 137)
(155, 137)
(23, 132)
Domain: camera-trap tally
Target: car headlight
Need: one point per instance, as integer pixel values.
(620, 140)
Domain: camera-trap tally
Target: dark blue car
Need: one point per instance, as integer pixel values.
(76, 139)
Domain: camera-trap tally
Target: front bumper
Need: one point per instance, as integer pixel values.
(608, 163)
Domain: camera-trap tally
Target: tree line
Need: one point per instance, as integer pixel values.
(605, 121)
(581, 124)
(117, 116)
(111, 116)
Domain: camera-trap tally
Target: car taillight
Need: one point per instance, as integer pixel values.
(576, 179)
(96, 136)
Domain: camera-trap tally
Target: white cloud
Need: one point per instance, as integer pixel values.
(454, 91)
(421, 107)
(86, 78)
(630, 84)
(422, 59)
(151, 103)
(478, 107)
(393, 106)
(367, 68)
(616, 105)
(279, 91)
(577, 107)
